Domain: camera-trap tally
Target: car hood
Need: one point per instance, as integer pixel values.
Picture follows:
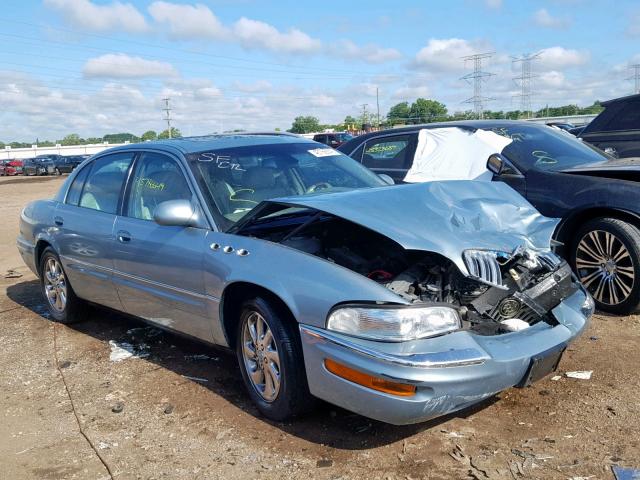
(442, 217)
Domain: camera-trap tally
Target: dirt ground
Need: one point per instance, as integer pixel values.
(69, 412)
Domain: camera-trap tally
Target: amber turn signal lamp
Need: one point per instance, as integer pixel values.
(374, 383)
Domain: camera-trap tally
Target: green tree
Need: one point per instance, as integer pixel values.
(399, 114)
(93, 140)
(121, 138)
(426, 111)
(175, 133)
(307, 124)
(72, 139)
(149, 135)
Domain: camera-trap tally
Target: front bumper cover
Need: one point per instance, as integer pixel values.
(450, 372)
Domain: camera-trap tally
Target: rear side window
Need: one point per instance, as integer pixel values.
(628, 118)
(386, 152)
(73, 196)
(104, 183)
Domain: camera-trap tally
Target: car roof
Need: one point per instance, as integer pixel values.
(464, 124)
(628, 98)
(188, 145)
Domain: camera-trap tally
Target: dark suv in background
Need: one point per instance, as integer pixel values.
(41, 165)
(67, 164)
(616, 130)
(334, 140)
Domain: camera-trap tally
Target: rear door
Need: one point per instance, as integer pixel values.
(390, 154)
(84, 227)
(158, 268)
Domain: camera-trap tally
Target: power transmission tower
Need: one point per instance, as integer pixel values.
(167, 117)
(635, 77)
(524, 81)
(476, 79)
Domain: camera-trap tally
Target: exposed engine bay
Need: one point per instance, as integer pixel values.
(505, 291)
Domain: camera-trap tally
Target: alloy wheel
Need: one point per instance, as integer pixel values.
(605, 267)
(261, 357)
(55, 284)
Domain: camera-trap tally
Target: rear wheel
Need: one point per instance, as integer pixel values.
(606, 258)
(63, 304)
(270, 356)
(58, 172)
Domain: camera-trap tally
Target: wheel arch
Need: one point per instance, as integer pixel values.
(41, 246)
(568, 226)
(231, 302)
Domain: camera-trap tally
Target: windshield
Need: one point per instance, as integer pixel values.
(546, 148)
(235, 180)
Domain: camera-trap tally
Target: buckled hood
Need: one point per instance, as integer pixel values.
(442, 217)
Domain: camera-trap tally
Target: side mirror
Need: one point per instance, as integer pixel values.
(386, 179)
(176, 213)
(495, 164)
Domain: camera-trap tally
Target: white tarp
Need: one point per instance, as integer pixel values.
(453, 153)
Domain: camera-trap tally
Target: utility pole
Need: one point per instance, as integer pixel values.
(476, 79)
(635, 77)
(378, 108)
(364, 114)
(524, 81)
(167, 111)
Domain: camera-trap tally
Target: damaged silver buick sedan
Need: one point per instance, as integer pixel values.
(400, 303)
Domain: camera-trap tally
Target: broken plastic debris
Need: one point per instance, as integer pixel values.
(514, 324)
(195, 379)
(123, 350)
(622, 473)
(555, 378)
(580, 374)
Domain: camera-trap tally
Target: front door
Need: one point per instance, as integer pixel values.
(158, 269)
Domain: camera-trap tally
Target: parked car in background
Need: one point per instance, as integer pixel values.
(576, 131)
(334, 140)
(616, 130)
(365, 295)
(68, 163)
(596, 196)
(10, 167)
(38, 166)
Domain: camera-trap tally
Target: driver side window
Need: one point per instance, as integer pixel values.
(157, 178)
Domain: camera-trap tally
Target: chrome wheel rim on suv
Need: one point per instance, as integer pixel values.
(605, 267)
(261, 358)
(55, 284)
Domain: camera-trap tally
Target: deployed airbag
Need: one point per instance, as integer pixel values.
(453, 153)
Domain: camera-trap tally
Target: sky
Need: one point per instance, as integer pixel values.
(93, 67)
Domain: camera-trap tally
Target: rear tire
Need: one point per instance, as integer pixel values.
(270, 356)
(606, 258)
(62, 302)
(58, 172)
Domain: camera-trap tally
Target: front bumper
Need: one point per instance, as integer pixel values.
(450, 372)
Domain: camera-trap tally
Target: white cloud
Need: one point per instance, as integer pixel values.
(120, 65)
(188, 21)
(551, 79)
(445, 55)
(495, 4)
(255, 87)
(322, 100)
(100, 18)
(369, 53)
(543, 18)
(410, 93)
(560, 57)
(256, 34)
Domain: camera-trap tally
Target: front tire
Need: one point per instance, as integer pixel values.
(62, 302)
(606, 258)
(270, 356)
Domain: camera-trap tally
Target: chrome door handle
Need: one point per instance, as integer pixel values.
(124, 236)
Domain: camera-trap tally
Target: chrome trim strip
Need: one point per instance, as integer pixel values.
(142, 280)
(450, 358)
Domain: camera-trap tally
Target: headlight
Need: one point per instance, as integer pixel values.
(394, 324)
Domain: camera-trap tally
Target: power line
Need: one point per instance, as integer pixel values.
(524, 81)
(167, 109)
(635, 77)
(476, 79)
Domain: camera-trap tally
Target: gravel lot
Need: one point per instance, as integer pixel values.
(180, 411)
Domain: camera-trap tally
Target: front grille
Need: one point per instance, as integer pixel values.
(483, 265)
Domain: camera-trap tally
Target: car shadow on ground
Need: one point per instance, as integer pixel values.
(326, 425)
